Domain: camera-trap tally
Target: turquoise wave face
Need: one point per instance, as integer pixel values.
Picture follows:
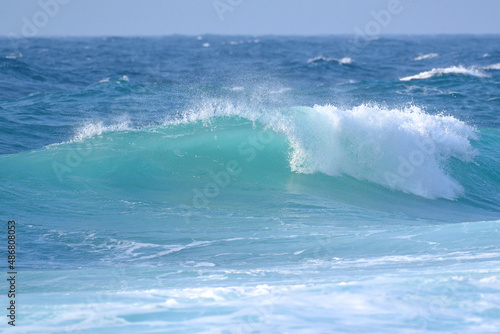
(383, 159)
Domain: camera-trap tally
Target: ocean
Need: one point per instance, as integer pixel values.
(252, 184)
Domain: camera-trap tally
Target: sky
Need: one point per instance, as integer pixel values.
(34, 18)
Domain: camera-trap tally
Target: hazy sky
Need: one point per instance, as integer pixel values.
(254, 17)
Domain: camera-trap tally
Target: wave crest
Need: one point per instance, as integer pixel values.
(92, 129)
(323, 59)
(403, 149)
(471, 71)
(426, 56)
(493, 67)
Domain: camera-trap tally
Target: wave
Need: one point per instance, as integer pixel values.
(322, 59)
(426, 56)
(471, 71)
(402, 149)
(122, 79)
(492, 67)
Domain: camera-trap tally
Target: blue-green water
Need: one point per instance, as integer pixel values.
(253, 184)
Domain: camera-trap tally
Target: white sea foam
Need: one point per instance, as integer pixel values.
(402, 149)
(472, 71)
(400, 259)
(91, 129)
(345, 60)
(360, 303)
(123, 78)
(492, 67)
(320, 59)
(426, 56)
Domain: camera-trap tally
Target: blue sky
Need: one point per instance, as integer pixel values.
(253, 17)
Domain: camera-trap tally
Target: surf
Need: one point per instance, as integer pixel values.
(403, 149)
(473, 71)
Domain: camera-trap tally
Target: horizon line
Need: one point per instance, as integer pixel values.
(10, 35)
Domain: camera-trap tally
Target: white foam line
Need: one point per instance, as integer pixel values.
(472, 71)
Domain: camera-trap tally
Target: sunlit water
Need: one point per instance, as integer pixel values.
(274, 185)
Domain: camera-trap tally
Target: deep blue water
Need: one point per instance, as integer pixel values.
(220, 184)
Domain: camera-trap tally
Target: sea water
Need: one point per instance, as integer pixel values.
(241, 184)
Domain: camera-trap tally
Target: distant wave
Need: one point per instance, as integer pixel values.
(123, 78)
(461, 70)
(426, 56)
(323, 59)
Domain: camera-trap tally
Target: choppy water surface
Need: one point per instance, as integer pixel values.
(253, 184)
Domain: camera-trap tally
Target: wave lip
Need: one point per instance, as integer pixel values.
(90, 129)
(471, 71)
(401, 149)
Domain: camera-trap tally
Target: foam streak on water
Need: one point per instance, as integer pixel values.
(472, 71)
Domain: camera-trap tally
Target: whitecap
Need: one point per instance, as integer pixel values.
(471, 71)
(492, 67)
(318, 59)
(345, 60)
(321, 59)
(426, 56)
